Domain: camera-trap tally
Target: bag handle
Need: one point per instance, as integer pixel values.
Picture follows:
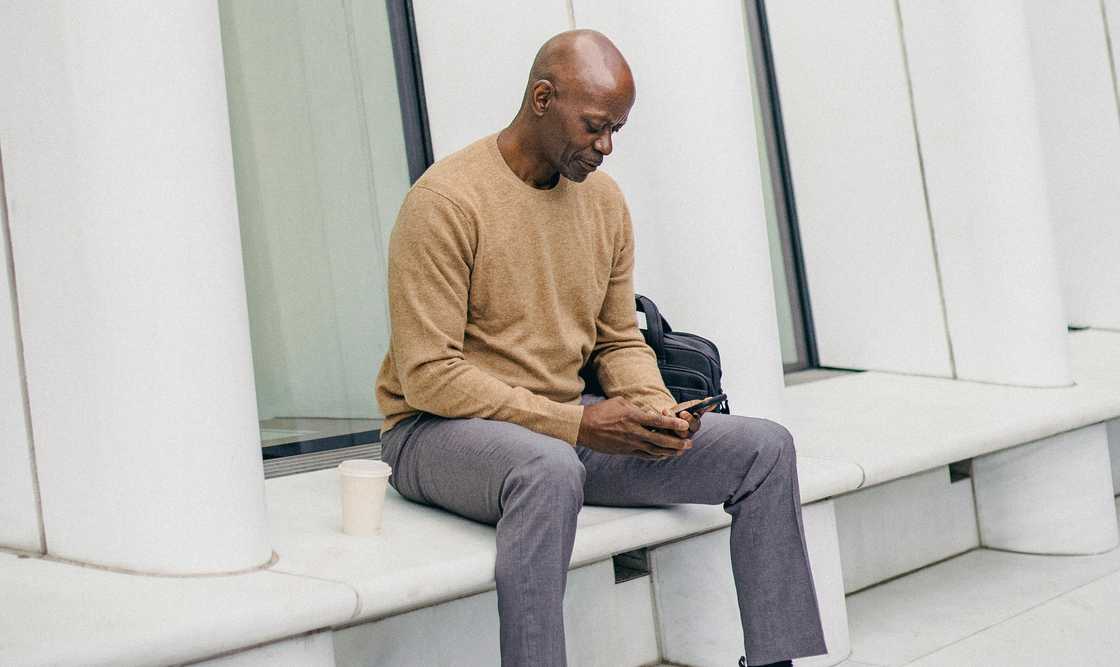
(655, 324)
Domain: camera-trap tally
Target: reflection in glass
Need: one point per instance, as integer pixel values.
(321, 171)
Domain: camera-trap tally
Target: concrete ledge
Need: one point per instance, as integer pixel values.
(426, 556)
(852, 432)
(314, 650)
(62, 614)
(606, 625)
(897, 425)
(59, 614)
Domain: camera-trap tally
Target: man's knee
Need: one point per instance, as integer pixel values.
(559, 465)
(778, 438)
(763, 450)
(554, 470)
(766, 445)
(776, 445)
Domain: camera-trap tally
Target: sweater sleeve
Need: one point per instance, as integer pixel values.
(625, 365)
(431, 255)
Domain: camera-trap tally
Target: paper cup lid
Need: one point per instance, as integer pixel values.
(364, 468)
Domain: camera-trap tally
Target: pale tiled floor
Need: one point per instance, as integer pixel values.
(992, 608)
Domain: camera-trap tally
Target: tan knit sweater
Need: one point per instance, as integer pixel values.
(499, 292)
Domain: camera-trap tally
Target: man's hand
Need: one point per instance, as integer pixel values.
(693, 422)
(617, 426)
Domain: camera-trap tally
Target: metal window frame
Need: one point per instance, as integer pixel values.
(410, 87)
(784, 202)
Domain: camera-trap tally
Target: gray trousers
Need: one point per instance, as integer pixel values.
(532, 486)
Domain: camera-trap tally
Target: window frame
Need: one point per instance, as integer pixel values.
(410, 87)
(782, 182)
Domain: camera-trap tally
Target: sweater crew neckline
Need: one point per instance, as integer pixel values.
(555, 192)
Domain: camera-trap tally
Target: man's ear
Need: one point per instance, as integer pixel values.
(543, 94)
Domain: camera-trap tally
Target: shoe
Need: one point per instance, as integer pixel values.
(743, 661)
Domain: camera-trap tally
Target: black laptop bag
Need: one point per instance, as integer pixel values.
(689, 364)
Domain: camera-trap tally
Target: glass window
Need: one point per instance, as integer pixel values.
(794, 316)
(321, 169)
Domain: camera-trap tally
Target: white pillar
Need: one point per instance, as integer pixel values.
(1081, 134)
(861, 212)
(1050, 496)
(19, 510)
(120, 187)
(1113, 433)
(979, 125)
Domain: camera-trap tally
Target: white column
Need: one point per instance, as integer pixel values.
(1113, 433)
(1050, 496)
(979, 124)
(1081, 135)
(19, 511)
(127, 255)
(861, 211)
(687, 162)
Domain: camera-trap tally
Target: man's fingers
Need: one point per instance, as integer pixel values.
(665, 441)
(651, 420)
(687, 418)
(685, 405)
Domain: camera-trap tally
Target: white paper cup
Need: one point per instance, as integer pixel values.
(362, 483)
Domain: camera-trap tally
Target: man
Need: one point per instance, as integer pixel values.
(510, 266)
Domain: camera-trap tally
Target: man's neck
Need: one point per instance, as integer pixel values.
(521, 156)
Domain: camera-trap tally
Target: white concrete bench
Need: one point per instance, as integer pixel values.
(425, 585)
(879, 499)
(1034, 475)
(1034, 462)
(421, 593)
(55, 613)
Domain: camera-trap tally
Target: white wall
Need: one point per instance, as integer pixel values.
(688, 164)
(129, 276)
(1017, 115)
(475, 58)
(1081, 139)
(19, 518)
(979, 124)
(321, 172)
(861, 211)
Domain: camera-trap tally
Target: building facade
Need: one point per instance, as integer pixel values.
(197, 198)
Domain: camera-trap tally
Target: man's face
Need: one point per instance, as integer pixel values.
(580, 136)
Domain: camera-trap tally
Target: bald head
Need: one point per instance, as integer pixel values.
(581, 62)
(579, 94)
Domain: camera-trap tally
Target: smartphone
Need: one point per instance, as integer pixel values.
(695, 410)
